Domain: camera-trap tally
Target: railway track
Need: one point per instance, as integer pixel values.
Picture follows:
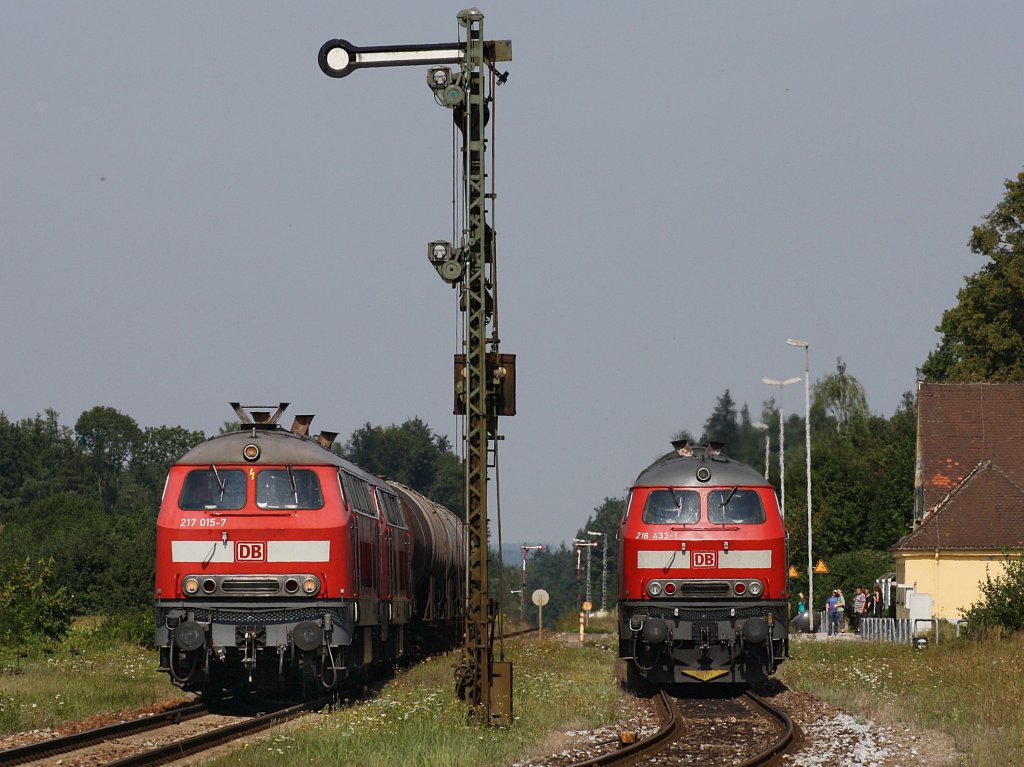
(743, 732)
(175, 734)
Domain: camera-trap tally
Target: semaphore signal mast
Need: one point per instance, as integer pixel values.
(484, 379)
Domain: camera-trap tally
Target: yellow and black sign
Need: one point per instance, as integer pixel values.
(821, 568)
(792, 572)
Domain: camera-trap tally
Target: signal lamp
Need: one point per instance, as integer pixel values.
(756, 588)
(670, 588)
(251, 452)
(740, 587)
(190, 585)
(439, 78)
(209, 585)
(291, 585)
(654, 588)
(439, 251)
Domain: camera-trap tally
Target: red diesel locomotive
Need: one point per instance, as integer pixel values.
(282, 566)
(703, 581)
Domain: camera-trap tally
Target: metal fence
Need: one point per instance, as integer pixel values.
(887, 629)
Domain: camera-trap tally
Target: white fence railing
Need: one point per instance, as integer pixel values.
(886, 629)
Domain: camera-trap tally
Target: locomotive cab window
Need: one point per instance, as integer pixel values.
(288, 488)
(213, 489)
(672, 507)
(735, 507)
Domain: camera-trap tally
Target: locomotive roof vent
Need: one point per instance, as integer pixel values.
(249, 415)
(326, 439)
(301, 424)
(683, 447)
(715, 448)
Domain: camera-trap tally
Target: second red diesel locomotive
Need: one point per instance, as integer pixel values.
(703, 591)
(282, 566)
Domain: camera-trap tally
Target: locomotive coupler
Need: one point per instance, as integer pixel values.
(641, 618)
(249, 654)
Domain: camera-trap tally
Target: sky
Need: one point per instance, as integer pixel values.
(191, 213)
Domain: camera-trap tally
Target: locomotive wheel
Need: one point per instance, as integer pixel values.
(637, 683)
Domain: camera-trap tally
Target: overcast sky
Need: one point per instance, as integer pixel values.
(192, 213)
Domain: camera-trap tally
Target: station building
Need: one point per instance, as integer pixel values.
(969, 496)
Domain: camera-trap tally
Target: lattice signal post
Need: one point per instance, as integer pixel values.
(484, 379)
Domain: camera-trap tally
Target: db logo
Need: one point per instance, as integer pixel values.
(251, 551)
(704, 559)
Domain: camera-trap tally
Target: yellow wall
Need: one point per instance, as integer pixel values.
(953, 578)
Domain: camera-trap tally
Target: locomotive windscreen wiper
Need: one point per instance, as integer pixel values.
(291, 479)
(729, 497)
(220, 482)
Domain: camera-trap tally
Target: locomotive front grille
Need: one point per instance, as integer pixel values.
(250, 587)
(704, 589)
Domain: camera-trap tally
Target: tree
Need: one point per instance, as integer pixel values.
(840, 397)
(110, 438)
(157, 448)
(32, 606)
(721, 425)
(983, 335)
(605, 519)
(413, 455)
(1001, 606)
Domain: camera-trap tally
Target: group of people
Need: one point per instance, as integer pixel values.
(839, 615)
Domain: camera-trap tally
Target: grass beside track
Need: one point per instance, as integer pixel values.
(973, 691)
(83, 677)
(416, 719)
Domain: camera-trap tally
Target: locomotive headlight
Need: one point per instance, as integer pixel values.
(755, 588)
(190, 585)
(251, 452)
(310, 585)
(654, 588)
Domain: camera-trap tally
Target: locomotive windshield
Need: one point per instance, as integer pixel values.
(735, 507)
(672, 507)
(213, 488)
(288, 488)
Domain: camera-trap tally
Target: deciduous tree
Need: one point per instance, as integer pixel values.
(983, 335)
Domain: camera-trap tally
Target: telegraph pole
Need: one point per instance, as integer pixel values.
(484, 379)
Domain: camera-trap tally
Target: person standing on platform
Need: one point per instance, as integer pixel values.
(832, 612)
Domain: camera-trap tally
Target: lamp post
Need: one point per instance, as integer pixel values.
(604, 568)
(807, 438)
(782, 439)
(767, 443)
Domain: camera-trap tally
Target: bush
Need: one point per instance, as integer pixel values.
(32, 606)
(135, 627)
(1001, 607)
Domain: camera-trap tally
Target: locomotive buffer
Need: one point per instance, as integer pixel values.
(484, 379)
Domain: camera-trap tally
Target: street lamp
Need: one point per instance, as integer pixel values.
(782, 439)
(767, 443)
(807, 438)
(604, 567)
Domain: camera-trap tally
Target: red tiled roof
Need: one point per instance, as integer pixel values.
(986, 511)
(971, 466)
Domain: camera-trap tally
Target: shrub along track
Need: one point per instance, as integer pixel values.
(159, 739)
